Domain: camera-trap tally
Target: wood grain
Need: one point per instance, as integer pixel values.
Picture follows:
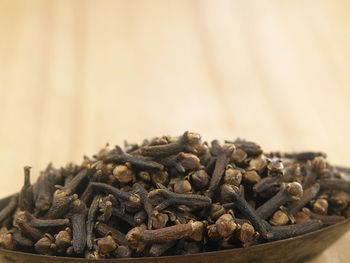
(77, 74)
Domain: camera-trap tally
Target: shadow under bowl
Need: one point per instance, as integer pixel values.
(296, 249)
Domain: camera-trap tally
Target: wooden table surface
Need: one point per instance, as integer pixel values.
(77, 74)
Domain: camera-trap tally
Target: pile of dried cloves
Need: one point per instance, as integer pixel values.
(174, 196)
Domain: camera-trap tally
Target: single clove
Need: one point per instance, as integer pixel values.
(138, 236)
(289, 192)
(45, 245)
(308, 195)
(326, 220)
(243, 206)
(63, 240)
(73, 185)
(6, 212)
(171, 198)
(106, 244)
(61, 207)
(283, 232)
(25, 199)
(39, 223)
(92, 214)
(188, 142)
(104, 229)
(224, 154)
(77, 216)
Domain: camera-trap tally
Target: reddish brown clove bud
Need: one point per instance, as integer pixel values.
(45, 245)
(63, 240)
(225, 225)
(279, 218)
(6, 241)
(138, 235)
(123, 173)
(320, 206)
(199, 179)
(106, 244)
(233, 176)
(182, 187)
(246, 233)
(251, 177)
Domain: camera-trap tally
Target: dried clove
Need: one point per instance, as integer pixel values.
(6, 241)
(138, 161)
(267, 183)
(77, 216)
(45, 245)
(301, 217)
(92, 214)
(8, 210)
(106, 209)
(138, 235)
(233, 176)
(127, 218)
(279, 218)
(282, 232)
(225, 225)
(251, 177)
(106, 244)
(28, 231)
(224, 154)
(35, 222)
(173, 196)
(243, 206)
(140, 217)
(147, 206)
(159, 220)
(63, 240)
(21, 241)
(251, 148)
(320, 206)
(44, 188)
(188, 142)
(123, 173)
(326, 220)
(182, 162)
(25, 199)
(308, 195)
(335, 184)
(215, 211)
(61, 207)
(104, 229)
(315, 169)
(73, 185)
(199, 179)
(246, 234)
(122, 252)
(289, 192)
(129, 200)
(300, 156)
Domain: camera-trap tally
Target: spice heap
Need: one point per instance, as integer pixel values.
(174, 196)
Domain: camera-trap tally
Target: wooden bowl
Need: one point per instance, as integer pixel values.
(294, 249)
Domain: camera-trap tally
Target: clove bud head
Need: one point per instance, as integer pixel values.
(295, 190)
(225, 225)
(6, 241)
(106, 244)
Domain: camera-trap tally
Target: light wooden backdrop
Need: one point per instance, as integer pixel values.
(77, 74)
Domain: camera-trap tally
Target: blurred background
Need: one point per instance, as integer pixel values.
(75, 75)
